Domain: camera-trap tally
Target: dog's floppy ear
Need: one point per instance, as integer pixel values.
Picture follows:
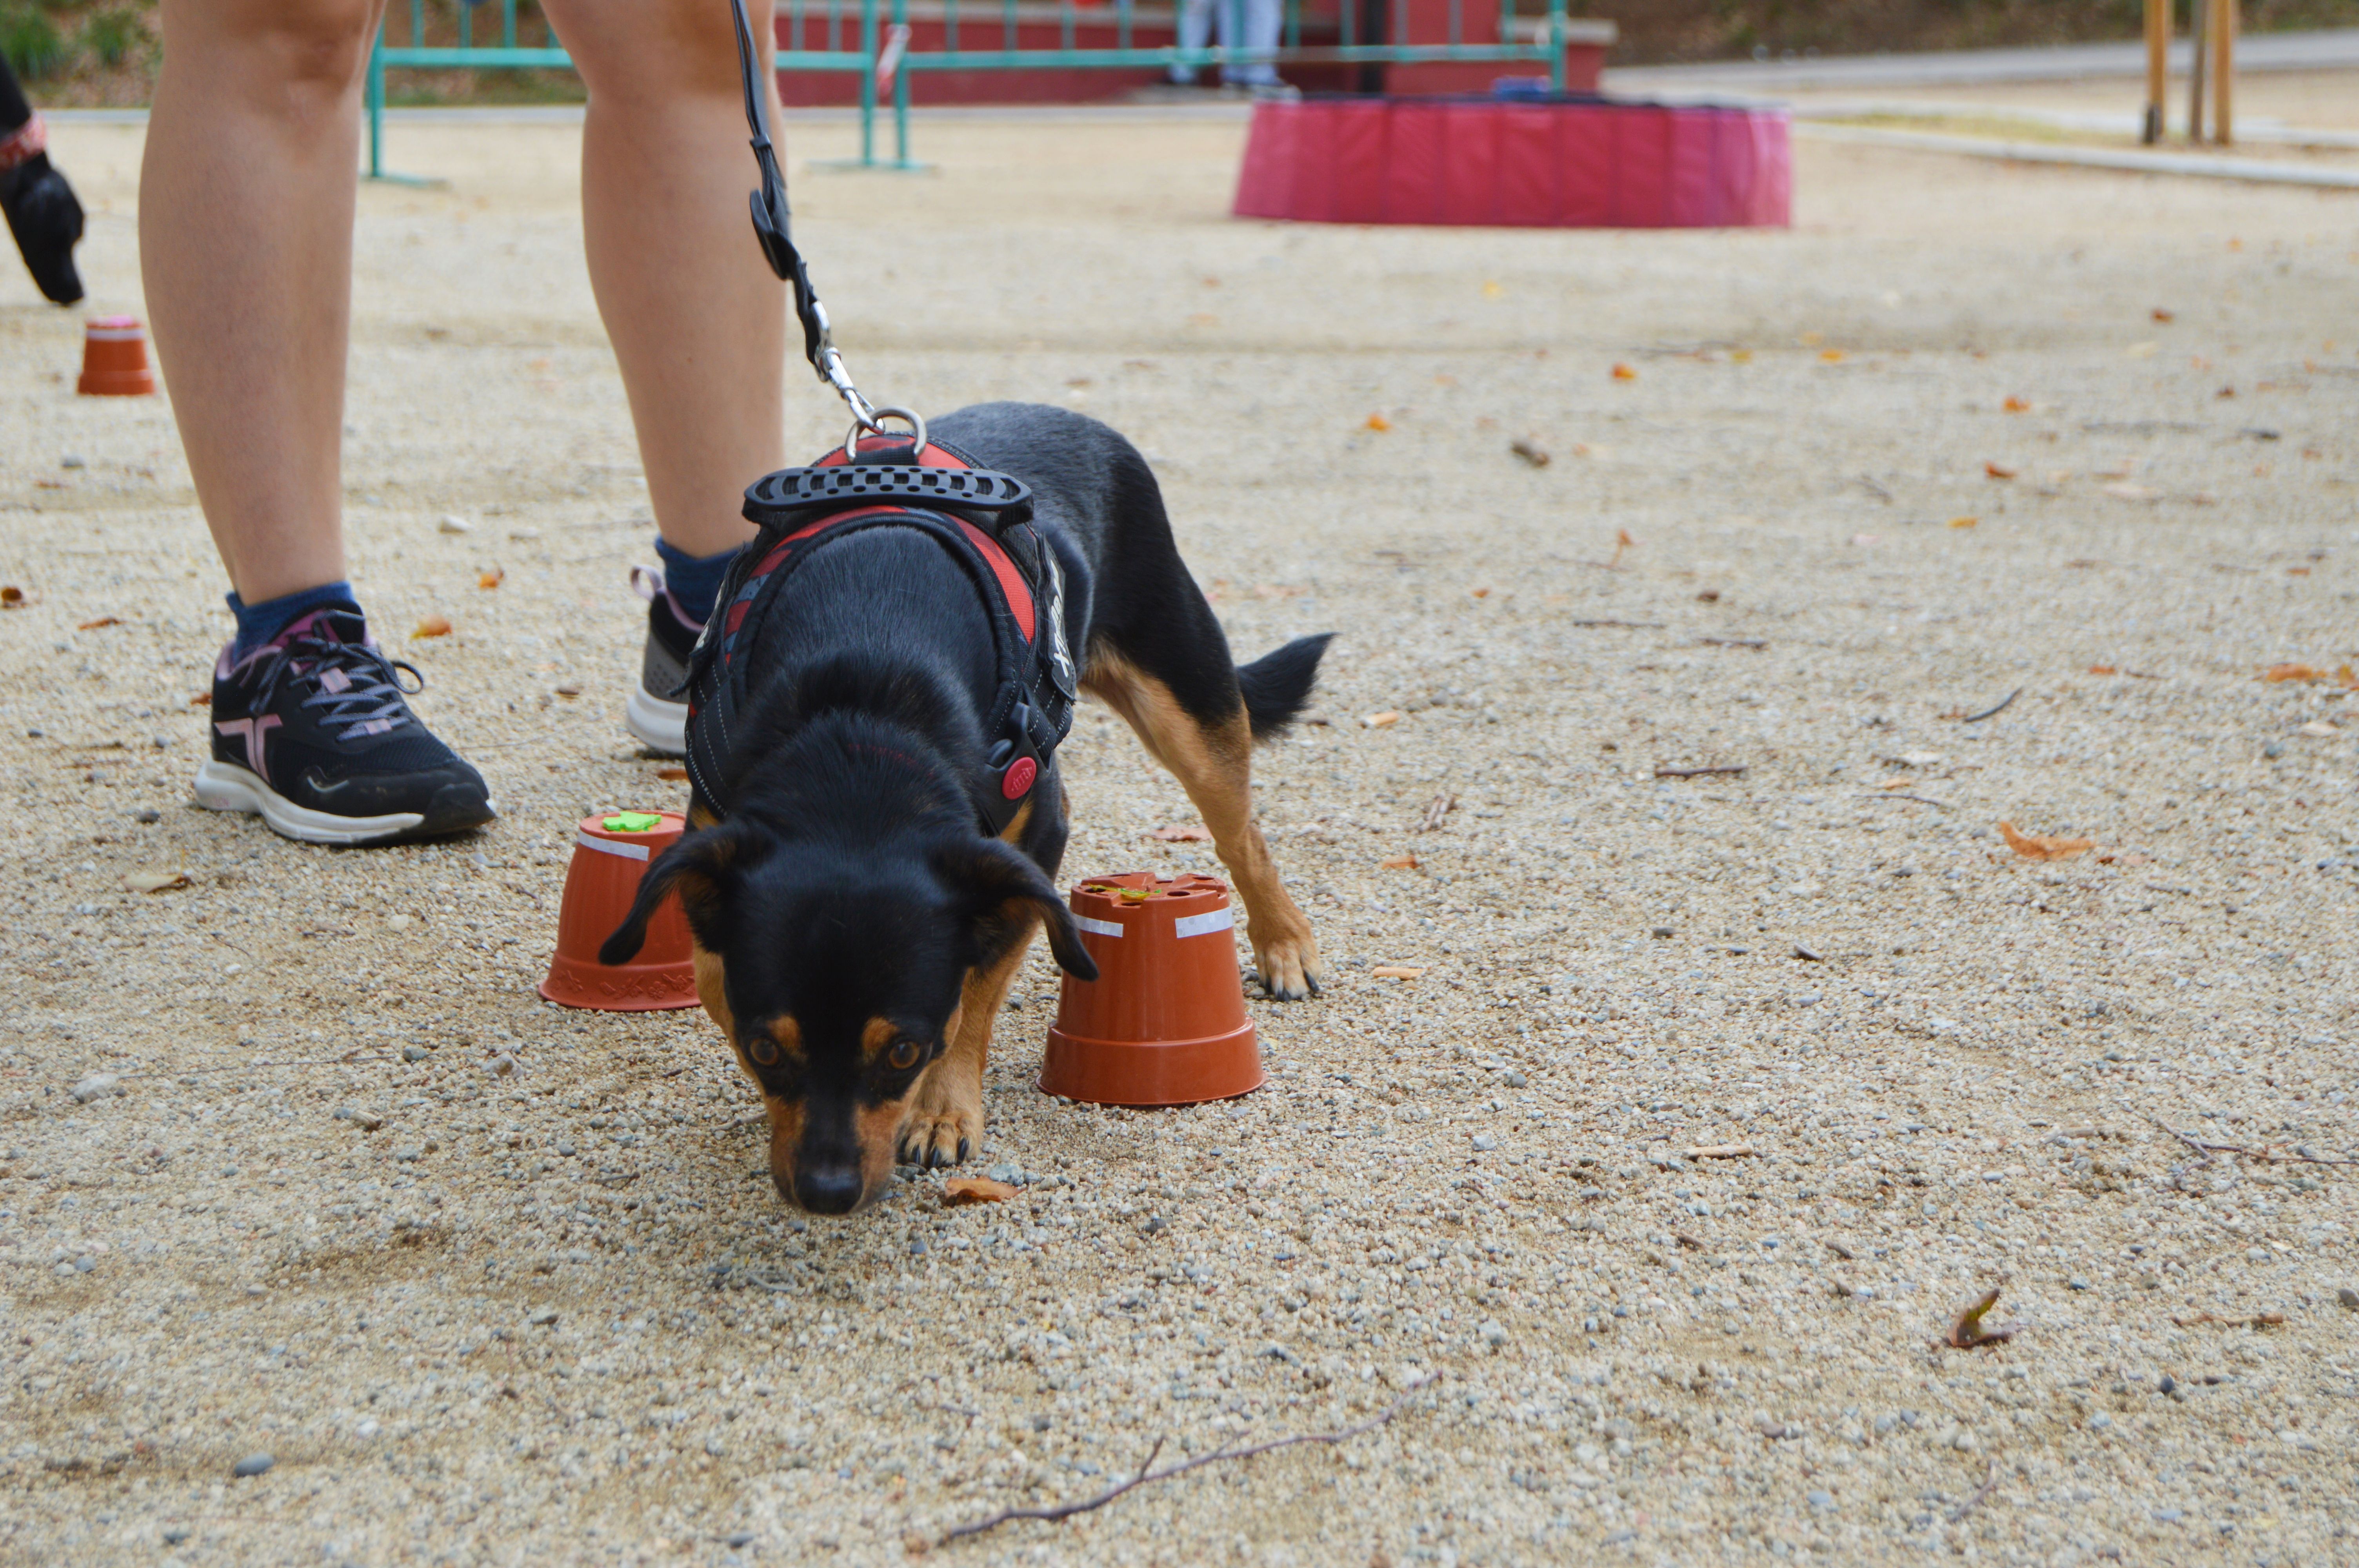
(998, 884)
(704, 866)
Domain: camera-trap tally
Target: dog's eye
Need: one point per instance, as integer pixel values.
(904, 1054)
(764, 1051)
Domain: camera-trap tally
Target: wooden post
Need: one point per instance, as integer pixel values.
(2223, 69)
(2199, 20)
(2158, 67)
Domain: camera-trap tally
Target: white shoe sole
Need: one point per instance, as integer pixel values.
(225, 786)
(660, 726)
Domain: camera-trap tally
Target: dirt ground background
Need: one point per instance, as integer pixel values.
(557, 1314)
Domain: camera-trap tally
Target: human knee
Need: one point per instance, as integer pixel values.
(659, 53)
(296, 47)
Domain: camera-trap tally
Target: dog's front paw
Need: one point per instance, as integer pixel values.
(1289, 968)
(944, 1125)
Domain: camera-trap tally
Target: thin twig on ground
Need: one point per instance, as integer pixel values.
(1982, 1493)
(2268, 1155)
(1626, 625)
(1993, 712)
(1147, 1473)
(1920, 799)
(1731, 768)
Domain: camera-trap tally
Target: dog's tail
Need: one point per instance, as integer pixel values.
(1276, 685)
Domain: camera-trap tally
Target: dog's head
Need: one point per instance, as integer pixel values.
(837, 973)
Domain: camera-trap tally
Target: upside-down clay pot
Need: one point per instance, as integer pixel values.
(599, 887)
(1164, 1024)
(114, 358)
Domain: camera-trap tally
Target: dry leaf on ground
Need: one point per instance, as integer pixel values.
(101, 621)
(1182, 833)
(2039, 847)
(1531, 452)
(1378, 422)
(959, 1191)
(1998, 470)
(11, 597)
(674, 774)
(2102, 670)
(1722, 1151)
(1963, 522)
(2017, 405)
(492, 578)
(1398, 862)
(434, 626)
(202, 700)
(1397, 971)
(1968, 1333)
(1480, 592)
(155, 882)
(2276, 674)
(1624, 372)
(1378, 720)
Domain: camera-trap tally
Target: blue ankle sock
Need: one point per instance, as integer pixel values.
(257, 623)
(693, 580)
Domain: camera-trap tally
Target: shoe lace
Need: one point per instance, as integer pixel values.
(373, 693)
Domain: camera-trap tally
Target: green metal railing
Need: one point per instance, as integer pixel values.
(850, 36)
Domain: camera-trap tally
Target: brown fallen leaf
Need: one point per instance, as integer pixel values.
(959, 1191)
(1963, 522)
(1998, 470)
(1832, 356)
(492, 578)
(1531, 452)
(2276, 674)
(1378, 720)
(1722, 1151)
(202, 700)
(1182, 833)
(101, 621)
(2102, 670)
(1622, 541)
(11, 597)
(1397, 971)
(2160, 314)
(1480, 592)
(2038, 847)
(1968, 1333)
(2016, 406)
(1398, 862)
(1378, 422)
(434, 626)
(154, 881)
(674, 774)
(1624, 372)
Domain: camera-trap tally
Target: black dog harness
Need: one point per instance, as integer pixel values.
(981, 518)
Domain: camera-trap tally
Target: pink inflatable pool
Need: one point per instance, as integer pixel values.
(1551, 163)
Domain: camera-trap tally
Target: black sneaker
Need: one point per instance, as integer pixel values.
(654, 712)
(312, 731)
(46, 220)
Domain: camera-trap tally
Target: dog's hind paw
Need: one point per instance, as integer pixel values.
(940, 1134)
(1288, 970)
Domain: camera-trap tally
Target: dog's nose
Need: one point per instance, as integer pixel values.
(827, 1189)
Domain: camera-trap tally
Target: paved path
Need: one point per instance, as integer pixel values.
(2326, 50)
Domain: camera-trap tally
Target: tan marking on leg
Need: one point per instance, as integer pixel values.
(1214, 765)
(699, 817)
(945, 1122)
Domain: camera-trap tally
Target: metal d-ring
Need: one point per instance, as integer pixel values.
(910, 416)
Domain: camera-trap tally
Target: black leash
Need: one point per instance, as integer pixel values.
(769, 204)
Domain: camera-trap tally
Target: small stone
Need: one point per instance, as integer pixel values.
(147, 814)
(739, 1541)
(1495, 1332)
(253, 1464)
(2076, 1284)
(2170, 1385)
(1822, 1501)
(413, 1053)
(2348, 1297)
(712, 1446)
(503, 1066)
(452, 524)
(1484, 1142)
(365, 1430)
(98, 1085)
(84, 1264)
(1515, 1080)
(74, 461)
(174, 1536)
(545, 1318)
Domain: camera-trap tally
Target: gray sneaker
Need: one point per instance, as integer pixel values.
(656, 712)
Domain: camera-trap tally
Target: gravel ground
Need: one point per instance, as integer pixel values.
(266, 1190)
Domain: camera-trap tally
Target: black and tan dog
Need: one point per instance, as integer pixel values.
(856, 923)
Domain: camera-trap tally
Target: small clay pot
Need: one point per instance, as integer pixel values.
(114, 358)
(1164, 1024)
(599, 887)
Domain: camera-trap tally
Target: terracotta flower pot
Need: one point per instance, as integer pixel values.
(114, 358)
(1164, 1024)
(599, 886)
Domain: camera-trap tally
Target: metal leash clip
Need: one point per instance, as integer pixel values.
(770, 227)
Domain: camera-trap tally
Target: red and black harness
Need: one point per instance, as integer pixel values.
(981, 518)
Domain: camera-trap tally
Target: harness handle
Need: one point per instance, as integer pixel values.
(770, 228)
